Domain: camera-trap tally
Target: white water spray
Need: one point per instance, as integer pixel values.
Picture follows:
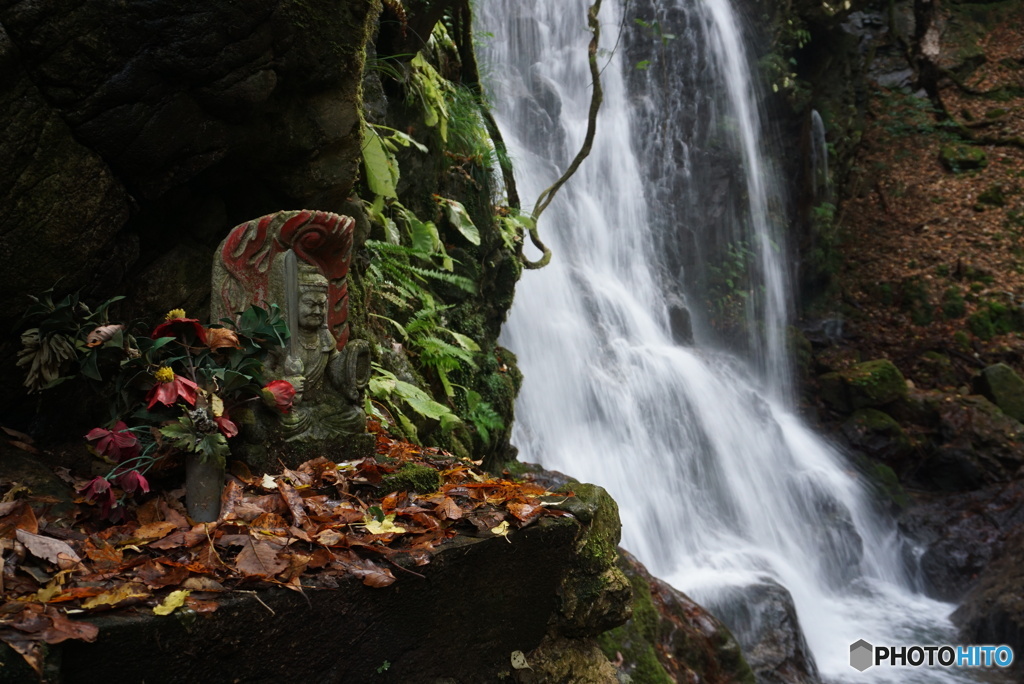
(719, 485)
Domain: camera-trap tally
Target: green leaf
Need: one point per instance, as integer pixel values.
(407, 140)
(459, 217)
(381, 169)
(90, 367)
(465, 342)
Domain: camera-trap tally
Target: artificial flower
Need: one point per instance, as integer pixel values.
(102, 334)
(222, 338)
(131, 481)
(177, 325)
(226, 425)
(279, 394)
(169, 388)
(99, 491)
(118, 444)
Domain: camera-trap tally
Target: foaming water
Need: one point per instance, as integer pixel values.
(720, 486)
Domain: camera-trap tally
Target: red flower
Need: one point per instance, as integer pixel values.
(279, 394)
(119, 443)
(180, 327)
(226, 425)
(167, 391)
(131, 481)
(99, 491)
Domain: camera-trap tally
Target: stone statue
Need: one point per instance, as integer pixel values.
(299, 260)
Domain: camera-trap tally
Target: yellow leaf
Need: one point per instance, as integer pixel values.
(116, 595)
(174, 600)
(217, 405)
(502, 530)
(374, 526)
(519, 660)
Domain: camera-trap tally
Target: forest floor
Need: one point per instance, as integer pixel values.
(933, 250)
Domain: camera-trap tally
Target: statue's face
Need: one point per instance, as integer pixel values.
(312, 310)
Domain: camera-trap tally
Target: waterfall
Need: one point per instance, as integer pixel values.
(820, 181)
(653, 346)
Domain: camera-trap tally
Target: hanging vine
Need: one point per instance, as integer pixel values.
(595, 105)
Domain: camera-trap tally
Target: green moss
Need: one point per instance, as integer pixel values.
(1004, 388)
(635, 640)
(874, 383)
(960, 157)
(953, 303)
(994, 196)
(412, 478)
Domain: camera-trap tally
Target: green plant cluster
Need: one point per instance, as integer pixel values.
(414, 283)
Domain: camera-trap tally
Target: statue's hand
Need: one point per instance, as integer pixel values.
(293, 366)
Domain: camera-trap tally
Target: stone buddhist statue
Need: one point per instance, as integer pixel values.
(299, 260)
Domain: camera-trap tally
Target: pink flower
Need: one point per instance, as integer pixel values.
(99, 491)
(279, 394)
(118, 444)
(168, 390)
(180, 327)
(226, 425)
(131, 481)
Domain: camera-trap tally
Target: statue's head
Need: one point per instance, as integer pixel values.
(313, 288)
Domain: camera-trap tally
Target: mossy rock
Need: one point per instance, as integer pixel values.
(870, 384)
(670, 638)
(595, 594)
(958, 157)
(934, 369)
(877, 434)
(1003, 387)
(874, 383)
(885, 482)
(995, 196)
(412, 478)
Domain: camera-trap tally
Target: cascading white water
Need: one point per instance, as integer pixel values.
(719, 485)
(820, 179)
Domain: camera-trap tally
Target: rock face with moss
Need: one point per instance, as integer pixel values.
(669, 638)
(869, 384)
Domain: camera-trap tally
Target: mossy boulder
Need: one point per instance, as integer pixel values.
(870, 384)
(959, 157)
(670, 638)
(934, 369)
(877, 434)
(1001, 385)
(885, 482)
(595, 595)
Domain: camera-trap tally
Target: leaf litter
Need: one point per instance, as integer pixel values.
(307, 527)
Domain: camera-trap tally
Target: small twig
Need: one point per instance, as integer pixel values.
(405, 569)
(257, 597)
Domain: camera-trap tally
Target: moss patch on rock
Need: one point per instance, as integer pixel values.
(959, 158)
(1003, 387)
(595, 595)
(866, 385)
(412, 478)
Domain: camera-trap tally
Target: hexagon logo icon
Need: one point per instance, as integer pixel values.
(861, 655)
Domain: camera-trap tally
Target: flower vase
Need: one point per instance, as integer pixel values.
(204, 480)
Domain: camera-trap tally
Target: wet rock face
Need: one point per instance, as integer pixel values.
(993, 611)
(670, 638)
(765, 623)
(958, 535)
